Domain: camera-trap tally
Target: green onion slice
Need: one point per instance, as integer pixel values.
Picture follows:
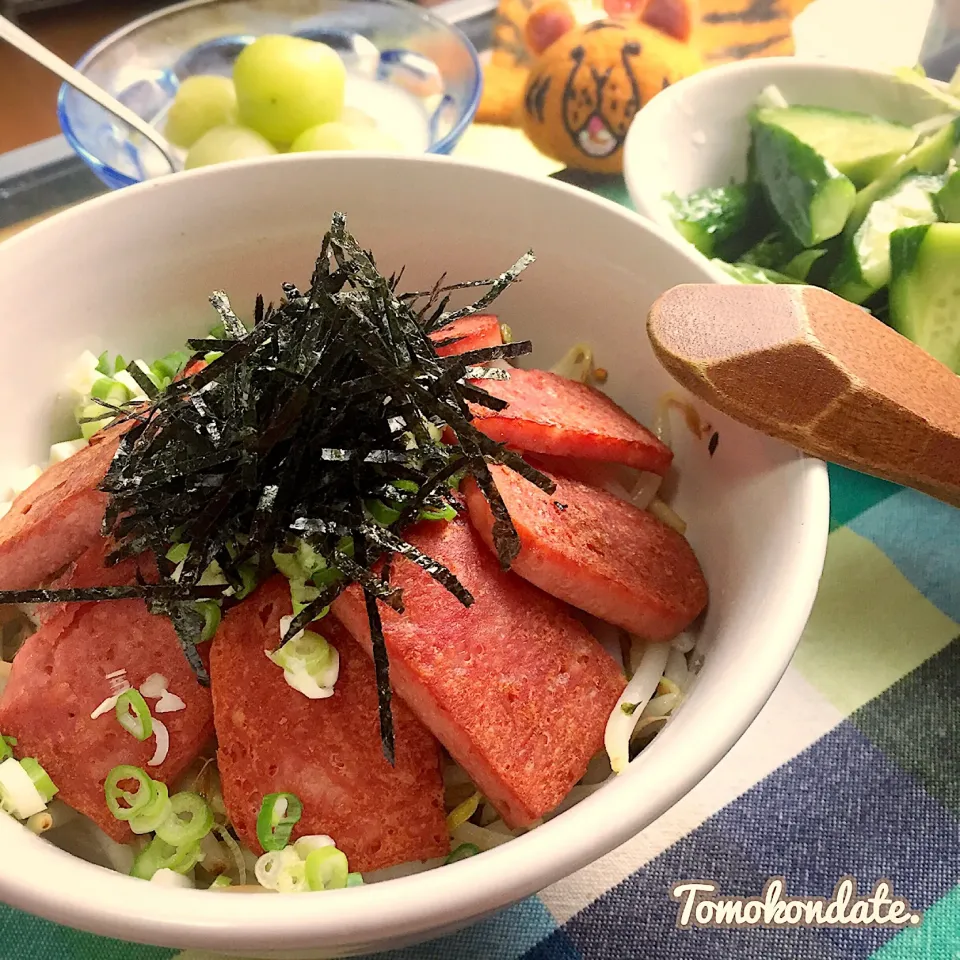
(289, 565)
(155, 812)
(405, 486)
(160, 855)
(443, 513)
(5, 747)
(309, 560)
(354, 880)
(293, 878)
(178, 552)
(279, 814)
(326, 577)
(210, 610)
(41, 779)
(327, 869)
(188, 821)
(462, 852)
(381, 513)
(135, 802)
(220, 882)
(302, 594)
(186, 858)
(134, 714)
(309, 652)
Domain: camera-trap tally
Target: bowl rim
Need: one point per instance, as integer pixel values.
(108, 173)
(641, 194)
(431, 903)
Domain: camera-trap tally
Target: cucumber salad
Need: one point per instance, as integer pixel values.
(860, 205)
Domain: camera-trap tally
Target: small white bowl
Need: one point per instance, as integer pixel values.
(132, 271)
(695, 134)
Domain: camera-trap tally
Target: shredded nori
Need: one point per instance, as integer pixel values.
(331, 398)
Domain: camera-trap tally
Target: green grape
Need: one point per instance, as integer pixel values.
(227, 143)
(340, 136)
(287, 84)
(201, 104)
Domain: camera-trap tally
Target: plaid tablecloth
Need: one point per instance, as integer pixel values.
(852, 768)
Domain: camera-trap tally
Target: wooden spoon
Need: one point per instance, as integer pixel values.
(802, 365)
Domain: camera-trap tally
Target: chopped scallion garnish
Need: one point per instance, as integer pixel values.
(132, 803)
(210, 610)
(279, 814)
(160, 855)
(326, 869)
(41, 779)
(133, 714)
(462, 852)
(188, 820)
(155, 812)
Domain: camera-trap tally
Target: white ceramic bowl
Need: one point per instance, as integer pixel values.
(695, 134)
(131, 271)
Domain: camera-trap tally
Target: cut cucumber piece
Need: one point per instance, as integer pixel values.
(751, 273)
(799, 267)
(859, 145)
(947, 201)
(925, 289)
(865, 266)
(931, 156)
(774, 250)
(808, 194)
(782, 254)
(718, 221)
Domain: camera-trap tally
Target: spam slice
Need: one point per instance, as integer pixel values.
(55, 519)
(467, 333)
(514, 687)
(551, 414)
(60, 676)
(273, 739)
(598, 553)
(90, 569)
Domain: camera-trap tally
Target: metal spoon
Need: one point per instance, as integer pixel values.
(802, 365)
(39, 53)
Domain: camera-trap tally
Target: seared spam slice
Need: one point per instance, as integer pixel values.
(273, 739)
(551, 414)
(598, 553)
(514, 687)
(60, 677)
(55, 519)
(468, 333)
(90, 569)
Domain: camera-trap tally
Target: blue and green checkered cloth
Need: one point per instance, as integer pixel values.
(853, 768)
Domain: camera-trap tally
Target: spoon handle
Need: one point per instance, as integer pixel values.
(802, 365)
(46, 58)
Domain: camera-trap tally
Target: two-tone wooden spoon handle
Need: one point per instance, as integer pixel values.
(807, 367)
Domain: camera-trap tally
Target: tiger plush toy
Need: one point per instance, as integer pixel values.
(589, 80)
(583, 92)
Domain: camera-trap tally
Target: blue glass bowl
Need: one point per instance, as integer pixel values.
(391, 42)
